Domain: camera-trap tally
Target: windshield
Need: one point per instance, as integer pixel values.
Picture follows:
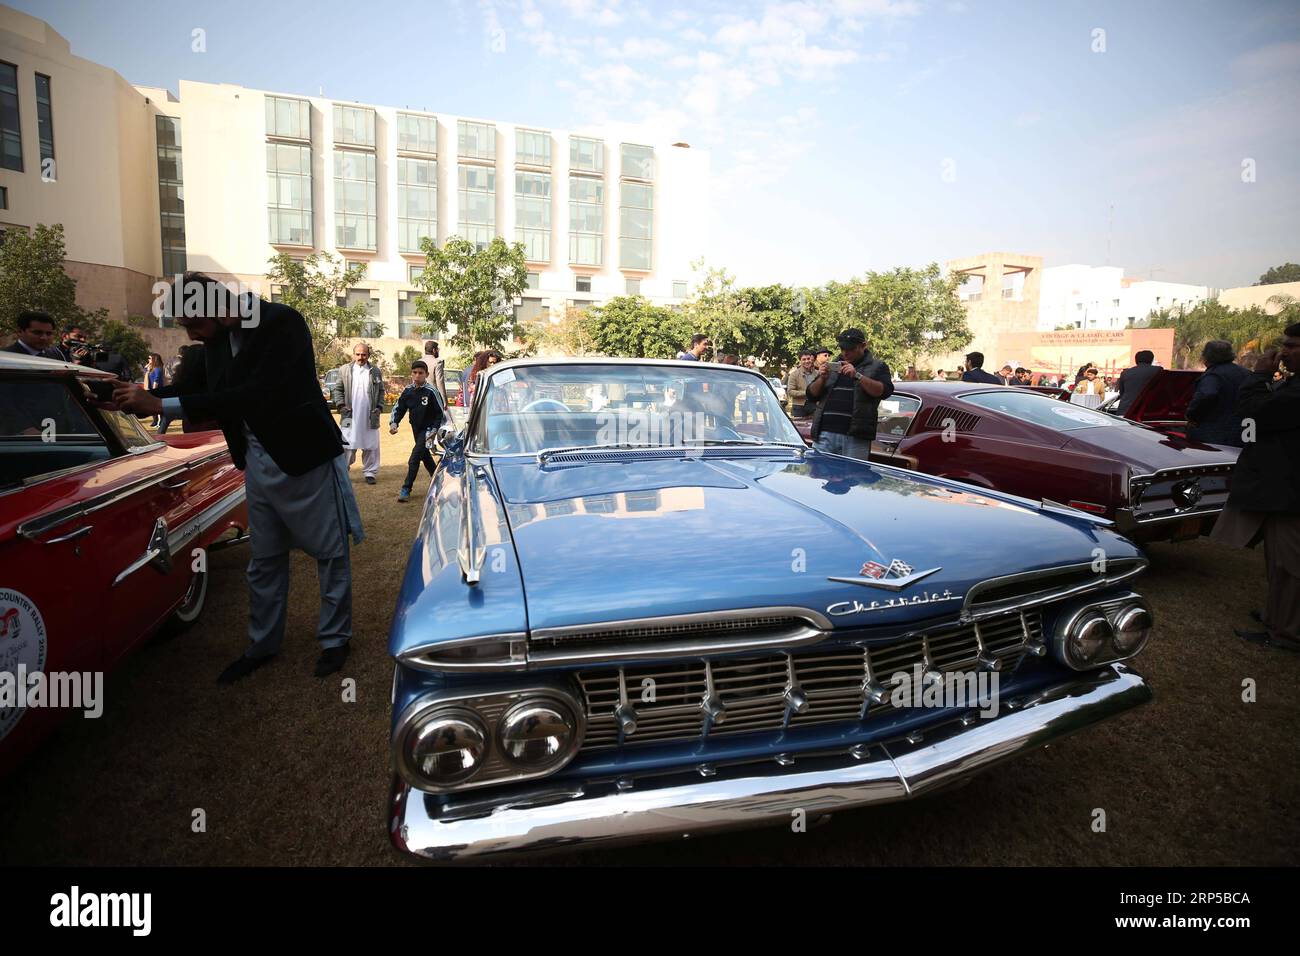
(1042, 410)
(534, 407)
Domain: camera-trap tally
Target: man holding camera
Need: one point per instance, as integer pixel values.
(847, 396)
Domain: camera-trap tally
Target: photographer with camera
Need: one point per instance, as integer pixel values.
(846, 395)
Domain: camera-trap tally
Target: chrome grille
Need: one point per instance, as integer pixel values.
(749, 625)
(671, 702)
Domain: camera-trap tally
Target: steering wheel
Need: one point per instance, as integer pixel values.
(552, 403)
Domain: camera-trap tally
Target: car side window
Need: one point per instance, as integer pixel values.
(44, 429)
(129, 429)
(895, 414)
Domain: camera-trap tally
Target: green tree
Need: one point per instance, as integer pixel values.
(32, 277)
(1287, 272)
(906, 314)
(776, 325)
(473, 290)
(631, 326)
(313, 287)
(1250, 329)
(718, 309)
(404, 358)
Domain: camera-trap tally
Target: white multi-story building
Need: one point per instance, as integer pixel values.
(222, 178)
(1102, 297)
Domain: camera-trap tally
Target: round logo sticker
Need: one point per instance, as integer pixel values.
(22, 646)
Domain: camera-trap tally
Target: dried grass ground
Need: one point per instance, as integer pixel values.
(289, 774)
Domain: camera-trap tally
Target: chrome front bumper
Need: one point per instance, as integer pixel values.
(767, 792)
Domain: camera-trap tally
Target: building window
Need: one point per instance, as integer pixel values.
(417, 203)
(583, 284)
(586, 155)
(409, 321)
(636, 225)
(372, 326)
(288, 119)
(354, 200)
(413, 274)
(632, 286)
(586, 220)
(417, 134)
(533, 280)
(679, 290)
(11, 137)
(45, 125)
(477, 191)
(288, 192)
(533, 148)
(476, 140)
(171, 194)
(637, 162)
(533, 215)
(4, 197)
(354, 125)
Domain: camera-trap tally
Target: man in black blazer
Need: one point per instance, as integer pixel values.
(1134, 378)
(259, 384)
(975, 370)
(1264, 501)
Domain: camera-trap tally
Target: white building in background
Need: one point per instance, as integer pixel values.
(1102, 297)
(222, 177)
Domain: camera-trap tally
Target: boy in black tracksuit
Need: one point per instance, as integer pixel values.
(425, 405)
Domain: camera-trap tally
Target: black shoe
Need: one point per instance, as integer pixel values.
(242, 668)
(331, 660)
(370, 479)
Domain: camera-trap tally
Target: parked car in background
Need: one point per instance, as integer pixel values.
(778, 387)
(454, 380)
(1154, 486)
(627, 614)
(328, 382)
(1162, 402)
(102, 529)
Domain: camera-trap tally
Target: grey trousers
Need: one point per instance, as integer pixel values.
(313, 512)
(268, 602)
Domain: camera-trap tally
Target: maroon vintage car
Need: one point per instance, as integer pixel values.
(1162, 402)
(103, 535)
(1154, 486)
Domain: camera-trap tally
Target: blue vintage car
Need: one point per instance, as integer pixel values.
(639, 606)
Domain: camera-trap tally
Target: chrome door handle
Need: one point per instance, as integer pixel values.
(72, 536)
(174, 485)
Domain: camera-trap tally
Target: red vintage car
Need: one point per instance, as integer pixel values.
(103, 536)
(1154, 486)
(1162, 402)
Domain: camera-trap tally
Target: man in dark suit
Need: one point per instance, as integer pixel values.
(1133, 379)
(35, 336)
(975, 370)
(1264, 503)
(259, 384)
(1212, 413)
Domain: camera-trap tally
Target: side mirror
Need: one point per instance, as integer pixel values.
(439, 440)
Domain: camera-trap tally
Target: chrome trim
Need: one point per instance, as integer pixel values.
(681, 802)
(72, 535)
(491, 708)
(889, 584)
(1126, 520)
(205, 519)
(1056, 508)
(420, 656)
(471, 564)
(817, 628)
(1112, 609)
(157, 552)
(1102, 580)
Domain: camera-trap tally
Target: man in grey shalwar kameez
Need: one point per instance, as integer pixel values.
(260, 385)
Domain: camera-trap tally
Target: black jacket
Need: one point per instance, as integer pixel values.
(979, 375)
(862, 422)
(1131, 381)
(271, 386)
(425, 405)
(1267, 476)
(1213, 407)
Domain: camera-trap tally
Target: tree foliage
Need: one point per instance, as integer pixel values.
(1249, 330)
(473, 290)
(632, 326)
(32, 277)
(1287, 272)
(313, 286)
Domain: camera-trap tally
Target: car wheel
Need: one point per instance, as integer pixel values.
(191, 605)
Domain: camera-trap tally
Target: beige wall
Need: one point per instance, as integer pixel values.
(105, 188)
(1247, 296)
(994, 321)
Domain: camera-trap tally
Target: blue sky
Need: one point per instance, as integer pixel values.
(846, 135)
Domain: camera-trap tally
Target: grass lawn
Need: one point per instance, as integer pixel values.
(287, 773)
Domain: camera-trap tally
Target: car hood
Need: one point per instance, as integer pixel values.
(1146, 450)
(608, 541)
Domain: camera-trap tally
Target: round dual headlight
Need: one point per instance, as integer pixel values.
(447, 747)
(1132, 628)
(536, 734)
(1088, 640)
